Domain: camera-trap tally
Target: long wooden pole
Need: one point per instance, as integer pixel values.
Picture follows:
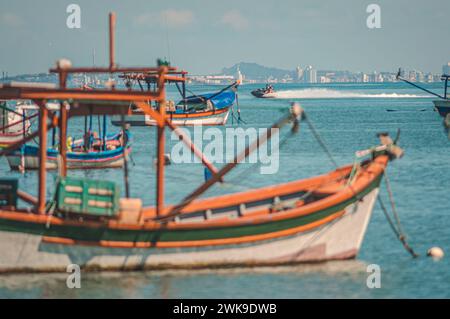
(63, 128)
(161, 146)
(112, 26)
(125, 156)
(43, 115)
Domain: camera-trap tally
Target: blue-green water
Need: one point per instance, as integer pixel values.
(347, 116)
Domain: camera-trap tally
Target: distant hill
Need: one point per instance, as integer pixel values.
(257, 71)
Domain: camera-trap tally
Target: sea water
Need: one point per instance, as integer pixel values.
(347, 117)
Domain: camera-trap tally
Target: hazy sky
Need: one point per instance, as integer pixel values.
(203, 36)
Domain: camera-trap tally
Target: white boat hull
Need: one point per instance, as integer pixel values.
(32, 163)
(339, 239)
(146, 120)
(9, 139)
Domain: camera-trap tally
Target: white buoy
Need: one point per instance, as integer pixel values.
(435, 252)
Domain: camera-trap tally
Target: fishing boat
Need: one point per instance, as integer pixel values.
(267, 92)
(14, 124)
(85, 222)
(196, 109)
(442, 106)
(80, 157)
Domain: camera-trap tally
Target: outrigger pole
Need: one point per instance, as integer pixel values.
(399, 77)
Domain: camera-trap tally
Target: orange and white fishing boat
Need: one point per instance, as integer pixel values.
(87, 223)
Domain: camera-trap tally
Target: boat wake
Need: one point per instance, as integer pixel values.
(337, 94)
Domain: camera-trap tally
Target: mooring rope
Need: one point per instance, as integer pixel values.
(320, 140)
(391, 200)
(397, 230)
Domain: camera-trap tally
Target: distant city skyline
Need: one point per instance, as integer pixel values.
(202, 37)
(308, 74)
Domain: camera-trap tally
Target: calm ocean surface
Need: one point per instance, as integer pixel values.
(347, 116)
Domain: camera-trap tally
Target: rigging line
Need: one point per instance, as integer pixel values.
(319, 140)
(193, 94)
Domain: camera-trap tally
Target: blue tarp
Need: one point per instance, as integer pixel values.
(220, 101)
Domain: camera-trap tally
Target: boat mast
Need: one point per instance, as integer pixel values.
(112, 26)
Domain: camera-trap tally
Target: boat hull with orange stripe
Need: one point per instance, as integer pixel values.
(213, 117)
(268, 226)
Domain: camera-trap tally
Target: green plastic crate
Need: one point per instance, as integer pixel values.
(89, 197)
(8, 191)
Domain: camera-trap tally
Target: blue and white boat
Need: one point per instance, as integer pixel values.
(197, 109)
(99, 155)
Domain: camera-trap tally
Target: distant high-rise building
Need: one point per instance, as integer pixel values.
(379, 78)
(239, 76)
(420, 77)
(364, 78)
(299, 74)
(446, 69)
(412, 76)
(310, 75)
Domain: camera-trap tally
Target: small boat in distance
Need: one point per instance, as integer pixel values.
(14, 123)
(196, 109)
(267, 92)
(97, 155)
(202, 109)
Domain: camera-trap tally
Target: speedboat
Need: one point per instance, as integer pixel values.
(267, 92)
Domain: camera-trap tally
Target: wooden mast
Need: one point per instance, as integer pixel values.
(112, 26)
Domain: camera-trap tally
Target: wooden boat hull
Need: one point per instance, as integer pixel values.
(31, 162)
(7, 139)
(337, 239)
(332, 228)
(442, 106)
(14, 131)
(218, 117)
